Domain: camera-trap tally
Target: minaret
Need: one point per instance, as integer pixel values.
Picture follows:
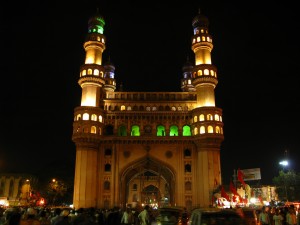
(109, 75)
(186, 81)
(205, 74)
(88, 118)
(207, 118)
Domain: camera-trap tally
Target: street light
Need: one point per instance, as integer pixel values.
(284, 164)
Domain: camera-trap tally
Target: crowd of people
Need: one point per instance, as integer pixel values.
(68, 216)
(289, 215)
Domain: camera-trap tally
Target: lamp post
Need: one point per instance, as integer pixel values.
(27, 191)
(284, 165)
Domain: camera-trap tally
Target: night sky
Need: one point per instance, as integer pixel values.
(256, 51)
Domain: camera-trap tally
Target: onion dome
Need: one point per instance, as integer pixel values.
(186, 81)
(187, 68)
(200, 21)
(109, 69)
(96, 24)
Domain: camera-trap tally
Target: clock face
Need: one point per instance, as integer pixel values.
(147, 129)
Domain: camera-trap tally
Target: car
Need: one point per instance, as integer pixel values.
(169, 216)
(216, 216)
(250, 215)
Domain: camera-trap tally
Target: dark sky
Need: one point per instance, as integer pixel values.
(256, 51)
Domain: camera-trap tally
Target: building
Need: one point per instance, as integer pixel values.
(158, 148)
(15, 188)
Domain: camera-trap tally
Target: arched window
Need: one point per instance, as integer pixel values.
(96, 72)
(93, 130)
(79, 117)
(210, 129)
(107, 167)
(2, 185)
(108, 152)
(173, 130)
(11, 189)
(90, 72)
(217, 118)
(135, 130)
(94, 117)
(109, 130)
(201, 117)
(100, 119)
(86, 116)
(218, 130)
(202, 130)
(209, 117)
(160, 131)
(122, 131)
(123, 107)
(195, 131)
(187, 153)
(86, 130)
(186, 131)
(206, 72)
(195, 118)
(83, 72)
(134, 187)
(187, 168)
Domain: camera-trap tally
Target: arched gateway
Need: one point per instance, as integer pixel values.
(148, 181)
(147, 147)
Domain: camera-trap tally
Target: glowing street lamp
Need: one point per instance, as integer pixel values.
(284, 163)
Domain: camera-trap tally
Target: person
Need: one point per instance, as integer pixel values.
(291, 218)
(55, 216)
(64, 218)
(127, 217)
(184, 216)
(298, 216)
(13, 217)
(277, 218)
(43, 218)
(30, 218)
(144, 217)
(264, 218)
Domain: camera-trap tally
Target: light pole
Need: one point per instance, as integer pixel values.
(27, 190)
(284, 165)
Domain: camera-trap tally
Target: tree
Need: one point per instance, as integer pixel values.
(287, 185)
(56, 191)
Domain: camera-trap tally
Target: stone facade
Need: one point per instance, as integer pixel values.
(158, 148)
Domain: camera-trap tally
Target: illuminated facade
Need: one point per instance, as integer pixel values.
(147, 147)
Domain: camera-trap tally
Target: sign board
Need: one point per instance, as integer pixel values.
(251, 174)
